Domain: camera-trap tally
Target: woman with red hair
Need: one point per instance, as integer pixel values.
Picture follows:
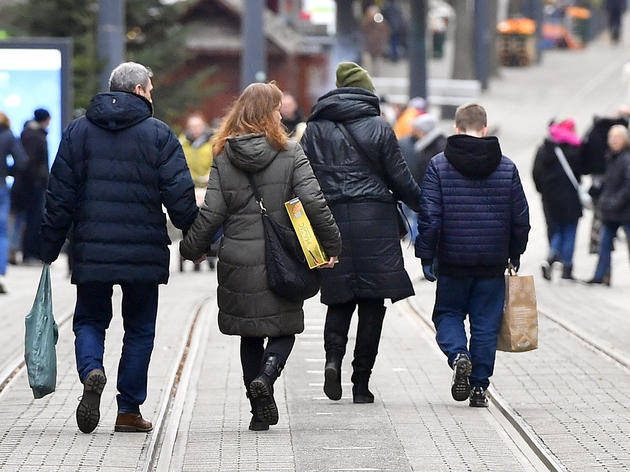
(251, 142)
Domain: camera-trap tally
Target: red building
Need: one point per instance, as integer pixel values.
(297, 62)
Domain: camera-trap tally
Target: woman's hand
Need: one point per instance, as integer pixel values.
(330, 264)
(201, 259)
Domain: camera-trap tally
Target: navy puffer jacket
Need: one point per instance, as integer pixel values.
(473, 211)
(114, 170)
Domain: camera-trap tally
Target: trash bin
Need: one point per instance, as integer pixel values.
(516, 42)
(577, 23)
(439, 38)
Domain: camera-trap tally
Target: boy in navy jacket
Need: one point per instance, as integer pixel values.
(474, 220)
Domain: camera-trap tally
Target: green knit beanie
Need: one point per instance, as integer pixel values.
(350, 74)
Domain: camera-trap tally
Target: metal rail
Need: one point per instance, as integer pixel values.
(523, 436)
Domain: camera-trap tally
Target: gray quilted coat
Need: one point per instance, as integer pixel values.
(246, 305)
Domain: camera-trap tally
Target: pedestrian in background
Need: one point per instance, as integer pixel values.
(398, 29)
(474, 220)
(614, 201)
(426, 140)
(9, 146)
(375, 32)
(115, 169)
(197, 145)
(357, 160)
(251, 142)
(29, 188)
(561, 202)
(292, 117)
(196, 142)
(615, 9)
(416, 107)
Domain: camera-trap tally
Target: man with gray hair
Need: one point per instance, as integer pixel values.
(115, 169)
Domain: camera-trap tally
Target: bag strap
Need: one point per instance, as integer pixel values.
(373, 167)
(257, 194)
(567, 168)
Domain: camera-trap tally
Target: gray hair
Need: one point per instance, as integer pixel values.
(127, 75)
(622, 130)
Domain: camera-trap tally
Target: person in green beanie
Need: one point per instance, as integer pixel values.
(350, 74)
(356, 158)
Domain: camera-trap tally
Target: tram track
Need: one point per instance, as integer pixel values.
(12, 369)
(522, 435)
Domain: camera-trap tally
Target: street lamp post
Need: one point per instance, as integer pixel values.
(110, 37)
(482, 42)
(253, 54)
(418, 49)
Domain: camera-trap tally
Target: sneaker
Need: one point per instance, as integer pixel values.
(478, 397)
(88, 413)
(545, 268)
(462, 368)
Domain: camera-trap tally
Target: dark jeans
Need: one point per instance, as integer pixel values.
(5, 203)
(482, 299)
(253, 354)
(563, 242)
(371, 315)
(609, 232)
(32, 238)
(92, 316)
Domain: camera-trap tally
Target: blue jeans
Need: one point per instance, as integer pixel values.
(563, 242)
(5, 203)
(609, 232)
(482, 299)
(92, 316)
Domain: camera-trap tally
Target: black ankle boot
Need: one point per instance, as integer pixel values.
(261, 390)
(361, 393)
(332, 379)
(256, 423)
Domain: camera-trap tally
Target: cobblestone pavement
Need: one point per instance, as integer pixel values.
(41, 435)
(572, 397)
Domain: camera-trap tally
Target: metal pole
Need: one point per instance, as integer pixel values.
(482, 42)
(110, 37)
(346, 46)
(254, 54)
(418, 49)
(537, 16)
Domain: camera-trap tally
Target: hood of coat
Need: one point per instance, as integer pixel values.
(250, 152)
(346, 104)
(118, 110)
(473, 157)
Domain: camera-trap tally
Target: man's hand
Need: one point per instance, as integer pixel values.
(516, 263)
(428, 272)
(201, 259)
(330, 264)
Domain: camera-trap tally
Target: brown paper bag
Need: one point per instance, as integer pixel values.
(519, 326)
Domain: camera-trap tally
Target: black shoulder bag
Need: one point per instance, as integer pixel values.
(401, 219)
(288, 274)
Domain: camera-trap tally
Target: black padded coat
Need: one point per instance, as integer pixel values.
(361, 195)
(247, 307)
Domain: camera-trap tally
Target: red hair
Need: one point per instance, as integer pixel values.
(253, 112)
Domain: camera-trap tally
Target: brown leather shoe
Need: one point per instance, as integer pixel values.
(132, 423)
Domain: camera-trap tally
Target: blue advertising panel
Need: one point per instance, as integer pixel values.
(34, 75)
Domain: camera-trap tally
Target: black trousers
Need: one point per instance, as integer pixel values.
(371, 315)
(253, 354)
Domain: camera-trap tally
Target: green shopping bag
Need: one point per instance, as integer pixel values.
(41, 337)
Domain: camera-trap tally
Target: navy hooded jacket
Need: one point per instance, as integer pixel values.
(473, 211)
(114, 170)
